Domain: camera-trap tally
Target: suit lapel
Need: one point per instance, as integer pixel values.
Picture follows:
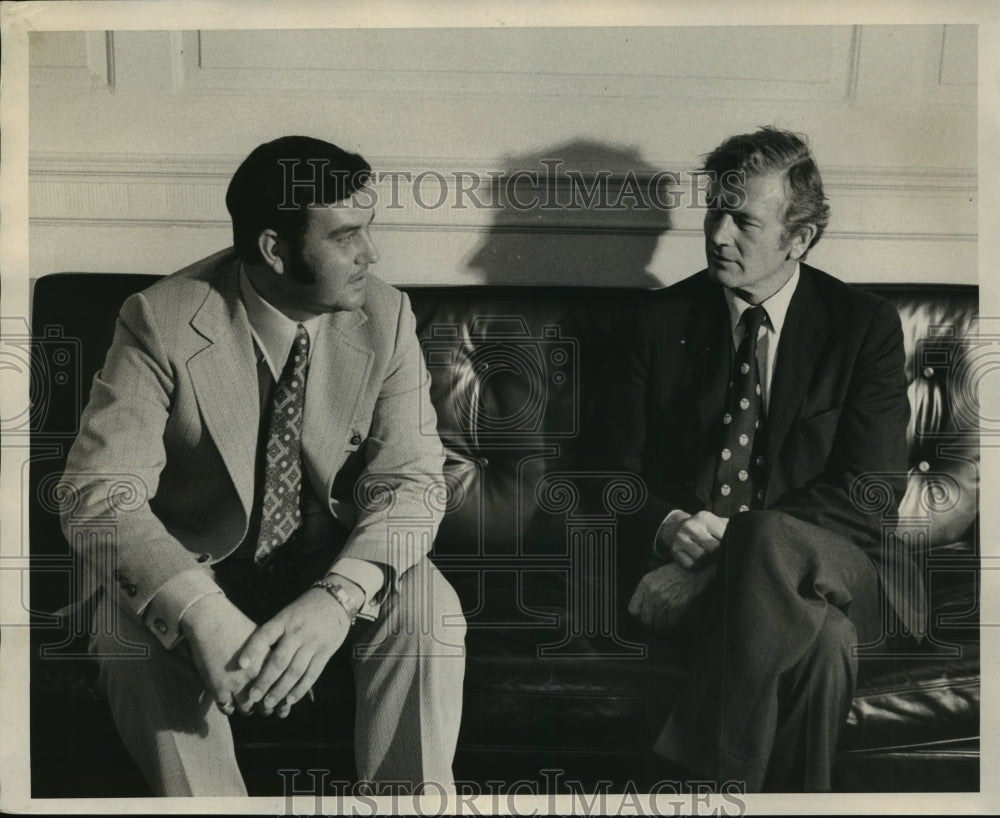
(802, 339)
(708, 340)
(338, 371)
(224, 377)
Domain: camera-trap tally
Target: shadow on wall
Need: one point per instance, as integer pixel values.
(580, 213)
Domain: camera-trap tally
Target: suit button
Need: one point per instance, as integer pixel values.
(160, 625)
(130, 589)
(355, 440)
(204, 557)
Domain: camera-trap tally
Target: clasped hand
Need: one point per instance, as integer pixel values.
(693, 538)
(666, 592)
(271, 666)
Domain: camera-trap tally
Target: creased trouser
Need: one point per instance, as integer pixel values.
(775, 667)
(408, 671)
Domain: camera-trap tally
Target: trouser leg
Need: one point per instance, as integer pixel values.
(768, 637)
(181, 742)
(408, 671)
(408, 666)
(814, 700)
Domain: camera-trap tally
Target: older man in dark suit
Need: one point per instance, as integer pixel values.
(263, 432)
(763, 390)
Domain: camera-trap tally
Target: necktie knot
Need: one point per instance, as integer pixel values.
(299, 353)
(753, 319)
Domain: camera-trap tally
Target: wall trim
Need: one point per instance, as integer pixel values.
(212, 168)
(479, 229)
(138, 190)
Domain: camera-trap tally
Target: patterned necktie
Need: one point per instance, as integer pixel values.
(283, 469)
(741, 463)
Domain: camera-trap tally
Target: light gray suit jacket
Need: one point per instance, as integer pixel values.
(167, 444)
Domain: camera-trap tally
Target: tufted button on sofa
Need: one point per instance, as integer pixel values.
(560, 686)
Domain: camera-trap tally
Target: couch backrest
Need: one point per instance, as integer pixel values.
(516, 372)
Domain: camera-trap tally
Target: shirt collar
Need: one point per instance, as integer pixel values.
(776, 306)
(273, 331)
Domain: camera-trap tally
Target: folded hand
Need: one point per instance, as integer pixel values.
(291, 651)
(665, 593)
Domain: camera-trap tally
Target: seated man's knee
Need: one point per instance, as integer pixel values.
(446, 609)
(120, 644)
(427, 607)
(757, 536)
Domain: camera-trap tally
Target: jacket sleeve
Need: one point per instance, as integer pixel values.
(113, 471)
(400, 494)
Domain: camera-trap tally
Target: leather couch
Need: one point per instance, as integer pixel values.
(560, 686)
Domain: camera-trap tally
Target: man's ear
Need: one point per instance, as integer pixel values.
(800, 241)
(273, 249)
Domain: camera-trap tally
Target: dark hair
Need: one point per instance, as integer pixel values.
(771, 149)
(276, 184)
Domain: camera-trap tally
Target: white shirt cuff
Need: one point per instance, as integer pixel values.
(164, 611)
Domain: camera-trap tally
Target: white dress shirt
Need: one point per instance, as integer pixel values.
(769, 334)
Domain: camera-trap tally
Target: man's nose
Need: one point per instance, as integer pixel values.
(719, 228)
(369, 253)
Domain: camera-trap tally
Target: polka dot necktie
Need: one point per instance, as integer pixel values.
(280, 510)
(739, 477)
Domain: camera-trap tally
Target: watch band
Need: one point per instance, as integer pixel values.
(338, 592)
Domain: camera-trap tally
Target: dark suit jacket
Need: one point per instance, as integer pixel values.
(836, 424)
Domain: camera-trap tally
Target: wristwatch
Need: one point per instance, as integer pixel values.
(339, 592)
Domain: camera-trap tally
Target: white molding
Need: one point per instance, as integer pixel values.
(854, 68)
(96, 72)
(937, 88)
(415, 78)
(479, 229)
(201, 168)
(924, 204)
(135, 165)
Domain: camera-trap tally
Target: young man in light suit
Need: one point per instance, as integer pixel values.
(759, 538)
(263, 433)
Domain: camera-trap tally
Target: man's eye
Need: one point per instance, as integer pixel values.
(346, 238)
